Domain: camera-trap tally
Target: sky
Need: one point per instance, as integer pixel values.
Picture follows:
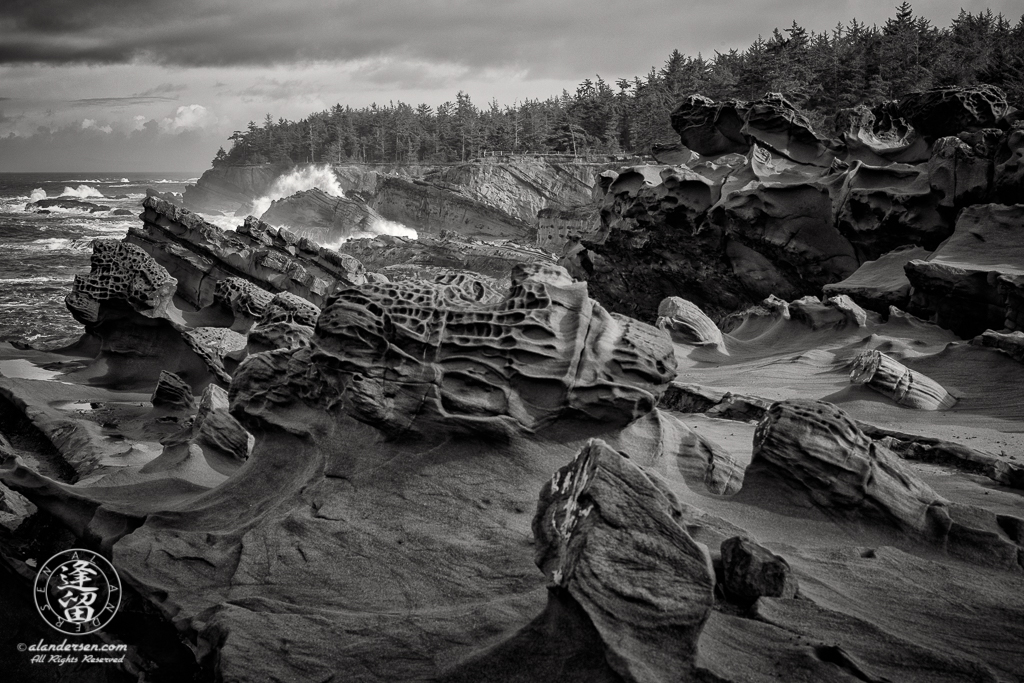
(159, 85)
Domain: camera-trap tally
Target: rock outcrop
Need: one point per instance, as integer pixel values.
(430, 207)
(400, 258)
(200, 255)
(947, 111)
(433, 359)
(599, 520)
(230, 189)
(818, 453)
(975, 280)
(324, 219)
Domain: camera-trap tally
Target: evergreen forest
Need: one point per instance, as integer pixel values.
(820, 73)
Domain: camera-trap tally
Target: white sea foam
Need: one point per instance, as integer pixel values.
(30, 280)
(60, 244)
(379, 227)
(37, 194)
(297, 180)
(82, 192)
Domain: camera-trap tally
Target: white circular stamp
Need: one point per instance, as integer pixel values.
(77, 591)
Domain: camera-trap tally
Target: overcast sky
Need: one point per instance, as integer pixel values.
(152, 85)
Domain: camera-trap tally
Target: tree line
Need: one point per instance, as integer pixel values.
(819, 72)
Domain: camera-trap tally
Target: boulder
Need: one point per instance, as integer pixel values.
(687, 324)
(173, 392)
(751, 571)
(608, 534)
(817, 454)
(894, 380)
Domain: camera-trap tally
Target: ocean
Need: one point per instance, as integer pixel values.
(41, 251)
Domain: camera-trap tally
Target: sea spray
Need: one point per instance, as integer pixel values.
(81, 192)
(379, 227)
(37, 194)
(299, 179)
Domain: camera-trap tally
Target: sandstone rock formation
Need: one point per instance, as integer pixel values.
(881, 283)
(401, 258)
(172, 392)
(973, 282)
(436, 358)
(891, 378)
(687, 323)
(601, 518)
(816, 451)
(947, 111)
(199, 255)
(751, 571)
(430, 207)
(320, 217)
(230, 189)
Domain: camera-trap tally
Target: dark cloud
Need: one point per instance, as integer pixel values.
(539, 37)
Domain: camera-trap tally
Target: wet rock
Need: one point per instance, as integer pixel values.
(230, 189)
(906, 387)
(200, 254)
(321, 217)
(429, 208)
(173, 392)
(751, 571)
(598, 521)
(947, 111)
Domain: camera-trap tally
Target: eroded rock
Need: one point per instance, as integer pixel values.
(751, 571)
(907, 387)
(598, 521)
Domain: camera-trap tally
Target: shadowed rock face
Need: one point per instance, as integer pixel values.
(598, 520)
(948, 111)
(975, 280)
(126, 304)
(430, 358)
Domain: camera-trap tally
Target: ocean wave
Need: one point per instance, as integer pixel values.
(29, 280)
(81, 192)
(61, 244)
